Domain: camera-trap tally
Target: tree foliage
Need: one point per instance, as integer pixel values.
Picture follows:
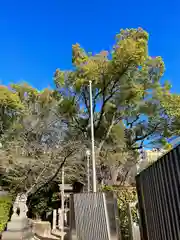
(126, 88)
(131, 107)
(128, 97)
(39, 129)
(37, 145)
(5, 205)
(124, 196)
(171, 103)
(10, 108)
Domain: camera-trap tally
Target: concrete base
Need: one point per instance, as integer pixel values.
(19, 229)
(42, 230)
(16, 235)
(17, 225)
(51, 237)
(58, 233)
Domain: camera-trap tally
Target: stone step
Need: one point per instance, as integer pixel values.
(8, 235)
(58, 233)
(50, 237)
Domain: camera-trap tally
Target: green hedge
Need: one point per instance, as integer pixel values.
(5, 205)
(124, 195)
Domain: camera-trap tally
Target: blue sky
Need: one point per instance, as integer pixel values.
(36, 36)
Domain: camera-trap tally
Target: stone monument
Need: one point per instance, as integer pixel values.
(19, 227)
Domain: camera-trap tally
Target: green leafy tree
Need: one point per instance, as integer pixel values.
(126, 86)
(37, 145)
(126, 89)
(171, 104)
(5, 205)
(11, 108)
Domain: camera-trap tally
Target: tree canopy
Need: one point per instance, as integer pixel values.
(127, 90)
(131, 106)
(42, 131)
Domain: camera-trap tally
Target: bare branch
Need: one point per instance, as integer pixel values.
(55, 174)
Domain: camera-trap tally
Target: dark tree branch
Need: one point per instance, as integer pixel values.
(147, 134)
(137, 148)
(102, 110)
(94, 101)
(130, 124)
(142, 138)
(54, 176)
(86, 99)
(111, 94)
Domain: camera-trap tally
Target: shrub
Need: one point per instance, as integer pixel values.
(124, 195)
(5, 206)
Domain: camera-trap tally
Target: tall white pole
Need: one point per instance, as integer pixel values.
(92, 139)
(62, 203)
(54, 218)
(88, 173)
